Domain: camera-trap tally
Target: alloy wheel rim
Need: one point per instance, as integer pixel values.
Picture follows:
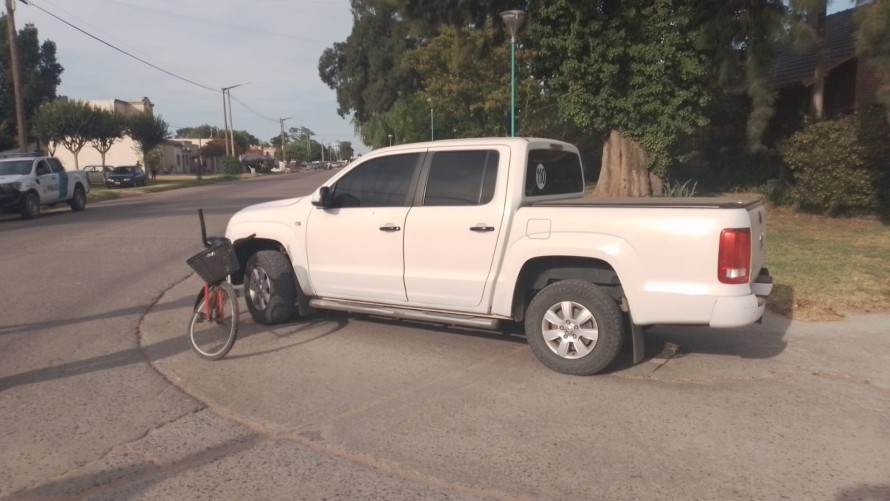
(569, 330)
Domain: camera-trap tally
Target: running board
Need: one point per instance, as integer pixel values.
(405, 313)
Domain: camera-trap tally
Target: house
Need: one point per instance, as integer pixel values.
(122, 152)
(177, 155)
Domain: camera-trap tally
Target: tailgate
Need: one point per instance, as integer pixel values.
(757, 215)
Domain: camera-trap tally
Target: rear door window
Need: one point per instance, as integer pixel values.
(461, 178)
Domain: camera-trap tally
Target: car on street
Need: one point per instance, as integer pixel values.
(125, 175)
(97, 174)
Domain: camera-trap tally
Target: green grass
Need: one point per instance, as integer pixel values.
(163, 183)
(825, 267)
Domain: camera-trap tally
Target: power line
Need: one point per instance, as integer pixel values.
(174, 75)
(255, 112)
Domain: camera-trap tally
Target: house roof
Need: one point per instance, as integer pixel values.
(791, 67)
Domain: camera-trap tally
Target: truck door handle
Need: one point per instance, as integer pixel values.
(390, 227)
(481, 227)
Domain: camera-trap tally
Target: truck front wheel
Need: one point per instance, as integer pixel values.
(574, 327)
(270, 290)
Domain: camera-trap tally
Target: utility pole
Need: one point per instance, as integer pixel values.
(16, 78)
(227, 118)
(281, 121)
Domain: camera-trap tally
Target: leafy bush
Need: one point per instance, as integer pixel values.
(840, 166)
(677, 189)
(232, 167)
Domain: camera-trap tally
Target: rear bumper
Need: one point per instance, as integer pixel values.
(739, 311)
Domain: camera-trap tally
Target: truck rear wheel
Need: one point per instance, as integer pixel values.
(270, 290)
(79, 200)
(30, 206)
(574, 327)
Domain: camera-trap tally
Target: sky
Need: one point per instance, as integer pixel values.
(272, 47)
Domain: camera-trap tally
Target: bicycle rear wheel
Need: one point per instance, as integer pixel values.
(212, 330)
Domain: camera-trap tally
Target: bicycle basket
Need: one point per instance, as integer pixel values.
(216, 262)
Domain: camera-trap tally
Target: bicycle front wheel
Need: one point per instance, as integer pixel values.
(214, 327)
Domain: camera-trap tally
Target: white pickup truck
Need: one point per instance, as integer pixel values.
(27, 182)
(478, 232)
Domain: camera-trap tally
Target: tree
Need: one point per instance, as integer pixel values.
(46, 127)
(39, 75)
(214, 148)
(108, 127)
(148, 132)
(69, 123)
(744, 34)
(635, 71)
(201, 131)
(808, 31)
(873, 44)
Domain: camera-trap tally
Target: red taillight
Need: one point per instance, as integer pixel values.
(734, 258)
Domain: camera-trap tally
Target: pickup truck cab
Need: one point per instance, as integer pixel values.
(478, 232)
(27, 182)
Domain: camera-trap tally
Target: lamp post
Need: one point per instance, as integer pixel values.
(432, 123)
(513, 19)
(227, 118)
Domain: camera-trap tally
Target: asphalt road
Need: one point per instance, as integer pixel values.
(100, 397)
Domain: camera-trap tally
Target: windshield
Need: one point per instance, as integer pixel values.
(122, 170)
(20, 168)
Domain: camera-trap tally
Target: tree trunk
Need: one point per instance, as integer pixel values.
(623, 172)
(821, 72)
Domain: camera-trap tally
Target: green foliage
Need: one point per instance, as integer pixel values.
(232, 167)
(840, 165)
(873, 44)
(108, 127)
(40, 74)
(674, 188)
(637, 67)
(69, 123)
(148, 132)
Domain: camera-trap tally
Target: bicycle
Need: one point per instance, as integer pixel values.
(214, 323)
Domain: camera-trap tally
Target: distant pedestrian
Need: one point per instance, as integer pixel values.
(154, 173)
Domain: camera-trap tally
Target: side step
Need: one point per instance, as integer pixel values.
(406, 313)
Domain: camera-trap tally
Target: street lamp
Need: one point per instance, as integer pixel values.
(513, 19)
(227, 118)
(432, 129)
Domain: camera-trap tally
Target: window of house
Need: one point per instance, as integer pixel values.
(381, 182)
(461, 178)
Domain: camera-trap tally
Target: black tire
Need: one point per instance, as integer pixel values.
(30, 206)
(212, 336)
(79, 200)
(270, 289)
(579, 342)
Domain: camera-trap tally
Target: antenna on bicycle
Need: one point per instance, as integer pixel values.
(203, 228)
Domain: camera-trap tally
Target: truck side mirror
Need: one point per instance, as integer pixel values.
(322, 198)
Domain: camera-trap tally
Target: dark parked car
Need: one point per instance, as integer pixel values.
(97, 173)
(127, 175)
